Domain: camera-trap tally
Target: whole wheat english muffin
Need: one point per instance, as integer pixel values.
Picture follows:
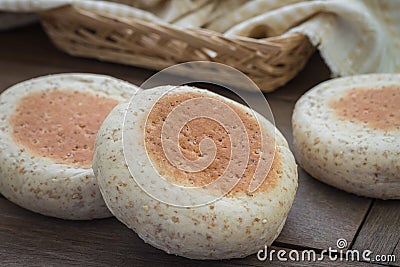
(239, 221)
(47, 132)
(347, 133)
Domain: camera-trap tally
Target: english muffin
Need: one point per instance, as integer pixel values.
(47, 132)
(347, 134)
(199, 208)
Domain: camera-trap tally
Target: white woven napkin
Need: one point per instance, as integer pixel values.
(352, 36)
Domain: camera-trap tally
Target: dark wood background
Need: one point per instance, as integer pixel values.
(319, 217)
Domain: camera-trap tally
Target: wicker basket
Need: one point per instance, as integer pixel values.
(269, 62)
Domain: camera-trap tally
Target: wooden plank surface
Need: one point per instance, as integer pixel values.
(34, 240)
(320, 214)
(396, 252)
(381, 230)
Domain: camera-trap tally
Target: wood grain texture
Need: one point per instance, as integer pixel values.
(320, 214)
(396, 252)
(381, 230)
(28, 239)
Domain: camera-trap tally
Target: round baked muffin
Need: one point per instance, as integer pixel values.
(347, 134)
(195, 212)
(47, 132)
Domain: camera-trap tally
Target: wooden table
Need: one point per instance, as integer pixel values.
(319, 217)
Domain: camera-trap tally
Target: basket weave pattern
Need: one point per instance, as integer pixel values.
(269, 62)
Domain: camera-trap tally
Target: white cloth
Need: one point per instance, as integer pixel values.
(353, 36)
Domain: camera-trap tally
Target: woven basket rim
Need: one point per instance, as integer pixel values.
(270, 62)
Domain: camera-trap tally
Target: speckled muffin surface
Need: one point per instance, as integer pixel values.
(347, 133)
(236, 225)
(47, 132)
